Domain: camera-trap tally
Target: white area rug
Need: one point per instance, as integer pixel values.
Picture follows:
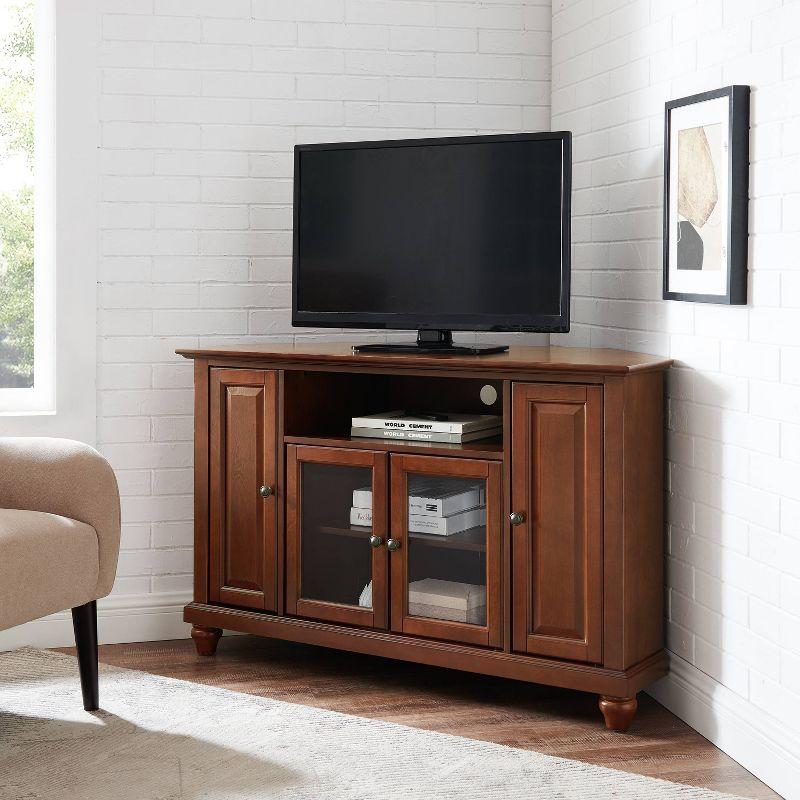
(165, 739)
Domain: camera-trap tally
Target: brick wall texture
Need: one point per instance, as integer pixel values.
(201, 104)
(733, 438)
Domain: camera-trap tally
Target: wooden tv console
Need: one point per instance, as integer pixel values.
(569, 562)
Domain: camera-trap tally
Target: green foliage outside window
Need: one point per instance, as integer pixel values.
(16, 207)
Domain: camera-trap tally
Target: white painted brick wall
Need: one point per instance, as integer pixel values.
(734, 397)
(201, 104)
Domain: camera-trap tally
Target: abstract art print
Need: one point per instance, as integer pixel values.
(706, 161)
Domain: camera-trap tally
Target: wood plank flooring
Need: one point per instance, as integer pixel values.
(554, 721)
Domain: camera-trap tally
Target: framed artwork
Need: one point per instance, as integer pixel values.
(706, 165)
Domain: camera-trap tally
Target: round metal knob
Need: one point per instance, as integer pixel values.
(376, 541)
(517, 517)
(393, 544)
(266, 491)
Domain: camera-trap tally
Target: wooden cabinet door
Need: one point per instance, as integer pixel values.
(557, 550)
(446, 586)
(243, 460)
(336, 557)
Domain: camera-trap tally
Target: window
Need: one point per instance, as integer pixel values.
(26, 201)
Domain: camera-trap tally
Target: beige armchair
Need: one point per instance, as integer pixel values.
(59, 539)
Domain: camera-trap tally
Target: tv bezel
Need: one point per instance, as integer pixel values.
(531, 323)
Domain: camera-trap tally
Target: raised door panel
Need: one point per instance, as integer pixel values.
(557, 548)
(242, 461)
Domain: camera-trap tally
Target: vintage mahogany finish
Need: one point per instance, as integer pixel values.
(574, 507)
(243, 456)
(557, 549)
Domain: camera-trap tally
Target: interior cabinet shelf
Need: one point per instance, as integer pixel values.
(472, 539)
(349, 531)
(490, 449)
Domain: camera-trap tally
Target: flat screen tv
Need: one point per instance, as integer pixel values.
(435, 235)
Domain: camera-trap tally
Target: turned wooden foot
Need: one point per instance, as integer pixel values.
(618, 712)
(205, 639)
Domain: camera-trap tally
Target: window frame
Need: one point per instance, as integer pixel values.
(62, 401)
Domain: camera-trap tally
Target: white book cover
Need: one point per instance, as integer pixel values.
(361, 516)
(425, 436)
(433, 423)
(446, 526)
(434, 498)
(442, 501)
(448, 594)
(362, 498)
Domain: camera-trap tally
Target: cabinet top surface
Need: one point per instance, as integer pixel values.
(522, 359)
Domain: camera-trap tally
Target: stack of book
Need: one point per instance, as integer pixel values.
(434, 506)
(449, 600)
(451, 428)
(441, 599)
(361, 512)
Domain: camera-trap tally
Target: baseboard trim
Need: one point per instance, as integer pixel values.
(747, 734)
(127, 618)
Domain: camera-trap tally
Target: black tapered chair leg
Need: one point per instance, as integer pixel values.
(84, 621)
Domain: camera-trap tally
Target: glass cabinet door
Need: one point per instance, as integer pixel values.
(445, 548)
(336, 535)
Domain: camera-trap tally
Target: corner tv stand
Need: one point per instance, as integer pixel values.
(433, 341)
(560, 582)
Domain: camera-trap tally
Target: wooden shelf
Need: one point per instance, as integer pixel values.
(472, 539)
(350, 531)
(490, 449)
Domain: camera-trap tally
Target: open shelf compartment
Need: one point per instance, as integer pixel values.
(319, 407)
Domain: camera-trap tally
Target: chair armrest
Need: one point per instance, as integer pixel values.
(60, 476)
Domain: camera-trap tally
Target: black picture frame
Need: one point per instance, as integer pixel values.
(738, 165)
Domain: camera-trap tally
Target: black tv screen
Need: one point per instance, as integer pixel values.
(468, 233)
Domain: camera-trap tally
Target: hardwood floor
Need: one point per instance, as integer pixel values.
(554, 721)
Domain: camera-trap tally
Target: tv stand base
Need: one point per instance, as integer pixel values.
(436, 342)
